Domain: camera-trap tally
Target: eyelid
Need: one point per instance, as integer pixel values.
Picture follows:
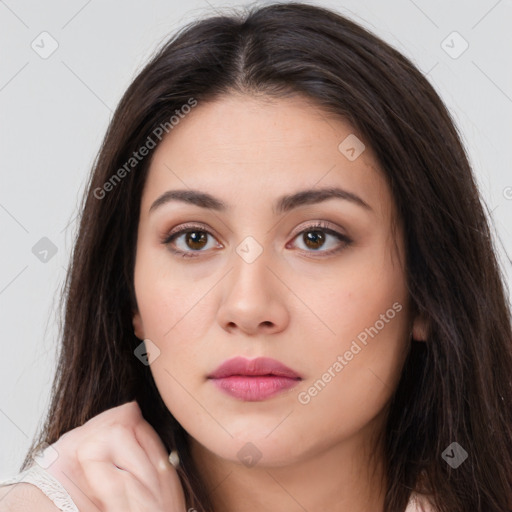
(320, 225)
(188, 226)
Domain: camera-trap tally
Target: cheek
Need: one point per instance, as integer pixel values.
(359, 293)
(177, 313)
(355, 367)
(173, 316)
(352, 375)
(169, 298)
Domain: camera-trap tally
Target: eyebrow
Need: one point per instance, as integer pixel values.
(283, 204)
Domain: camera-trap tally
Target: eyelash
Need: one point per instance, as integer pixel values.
(314, 227)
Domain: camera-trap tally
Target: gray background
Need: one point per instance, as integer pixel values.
(55, 110)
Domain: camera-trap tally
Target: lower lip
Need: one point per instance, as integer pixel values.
(253, 389)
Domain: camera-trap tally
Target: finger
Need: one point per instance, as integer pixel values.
(127, 413)
(119, 447)
(141, 503)
(170, 483)
(78, 488)
(114, 489)
(151, 443)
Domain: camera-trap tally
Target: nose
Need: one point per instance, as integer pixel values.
(253, 299)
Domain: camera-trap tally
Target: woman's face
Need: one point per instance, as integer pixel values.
(256, 277)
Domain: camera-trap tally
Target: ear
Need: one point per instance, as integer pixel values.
(419, 329)
(138, 328)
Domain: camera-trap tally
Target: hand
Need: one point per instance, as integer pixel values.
(117, 462)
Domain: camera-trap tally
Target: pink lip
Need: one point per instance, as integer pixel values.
(253, 379)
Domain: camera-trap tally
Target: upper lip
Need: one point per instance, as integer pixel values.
(253, 367)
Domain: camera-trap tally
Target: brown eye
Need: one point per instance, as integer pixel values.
(321, 239)
(190, 241)
(313, 239)
(196, 240)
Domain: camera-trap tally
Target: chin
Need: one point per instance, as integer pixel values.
(258, 450)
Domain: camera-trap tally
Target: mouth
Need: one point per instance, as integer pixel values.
(254, 379)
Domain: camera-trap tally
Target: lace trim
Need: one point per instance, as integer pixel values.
(50, 486)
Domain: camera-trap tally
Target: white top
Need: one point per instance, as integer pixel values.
(52, 488)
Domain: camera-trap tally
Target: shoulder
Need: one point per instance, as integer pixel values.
(22, 497)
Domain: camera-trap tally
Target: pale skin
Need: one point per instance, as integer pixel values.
(113, 462)
(302, 304)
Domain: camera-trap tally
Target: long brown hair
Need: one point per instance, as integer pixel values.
(455, 387)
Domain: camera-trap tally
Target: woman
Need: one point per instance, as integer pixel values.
(284, 276)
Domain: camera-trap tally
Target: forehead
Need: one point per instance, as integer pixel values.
(256, 147)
